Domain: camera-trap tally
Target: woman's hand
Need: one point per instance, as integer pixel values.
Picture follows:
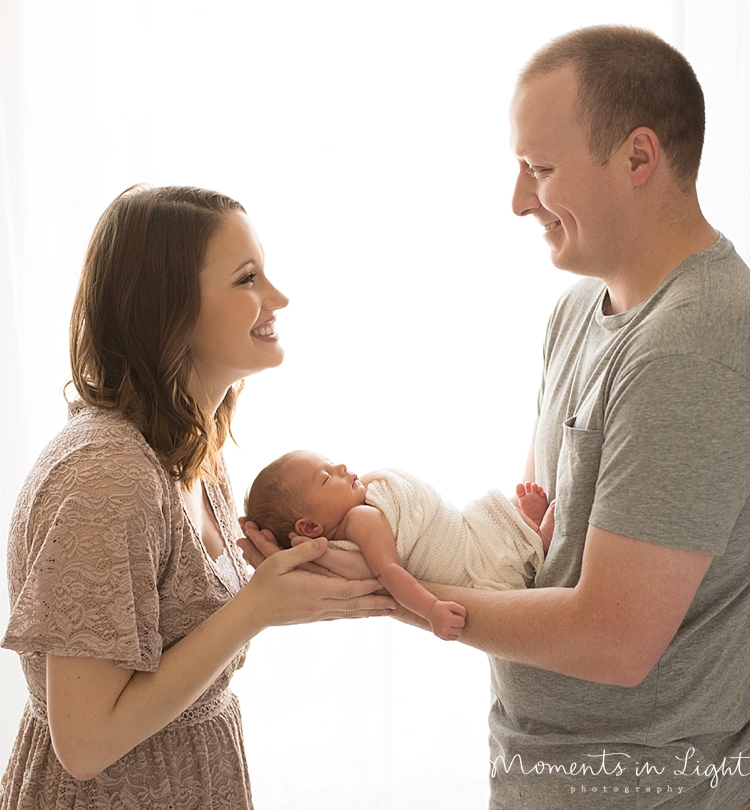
(98, 711)
(285, 594)
(336, 562)
(258, 545)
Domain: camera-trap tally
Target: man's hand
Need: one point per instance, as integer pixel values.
(259, 544)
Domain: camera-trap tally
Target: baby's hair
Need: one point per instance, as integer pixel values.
(273, 502)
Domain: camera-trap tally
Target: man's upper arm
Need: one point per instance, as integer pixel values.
(674, 462)
(635, 594)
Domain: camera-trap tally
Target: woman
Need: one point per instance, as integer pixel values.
(131, 606)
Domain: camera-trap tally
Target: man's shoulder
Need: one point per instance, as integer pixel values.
(703, 309)
(574, 309)
(717, 275)
(583, 291)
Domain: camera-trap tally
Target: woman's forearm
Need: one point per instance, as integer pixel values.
(98, 711)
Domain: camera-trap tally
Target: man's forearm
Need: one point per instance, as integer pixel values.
(612, 627)
(539, 628)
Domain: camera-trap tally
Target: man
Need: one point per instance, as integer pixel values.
(622, 679)
(631, 655)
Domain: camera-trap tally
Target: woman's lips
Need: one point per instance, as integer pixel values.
(266, 330)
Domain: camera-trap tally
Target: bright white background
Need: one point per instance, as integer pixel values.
(368, 141)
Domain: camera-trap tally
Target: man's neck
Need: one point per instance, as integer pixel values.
(653, 258)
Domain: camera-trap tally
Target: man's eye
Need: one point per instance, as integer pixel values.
(536, 171)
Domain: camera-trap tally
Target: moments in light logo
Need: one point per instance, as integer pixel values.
(611, 765)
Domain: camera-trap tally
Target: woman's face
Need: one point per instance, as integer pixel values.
(234, 335)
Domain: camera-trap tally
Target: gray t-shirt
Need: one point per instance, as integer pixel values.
(644, 430)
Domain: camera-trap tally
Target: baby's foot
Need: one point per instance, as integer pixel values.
(532, 501)
(547, 527)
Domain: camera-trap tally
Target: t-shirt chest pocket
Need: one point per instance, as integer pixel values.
(577, 471)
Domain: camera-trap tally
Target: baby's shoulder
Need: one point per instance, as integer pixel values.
(361, 518)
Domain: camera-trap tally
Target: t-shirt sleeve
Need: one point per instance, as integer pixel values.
(96, 533)
(675, 446)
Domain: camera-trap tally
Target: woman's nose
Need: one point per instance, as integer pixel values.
(274, 299)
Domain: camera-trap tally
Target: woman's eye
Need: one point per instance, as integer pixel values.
(248, 280)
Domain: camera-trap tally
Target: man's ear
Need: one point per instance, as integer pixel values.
(644, 153)
(308, 527)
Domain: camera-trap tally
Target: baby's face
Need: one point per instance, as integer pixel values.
(328, 489)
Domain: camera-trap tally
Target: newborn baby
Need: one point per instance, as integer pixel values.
(405, 530)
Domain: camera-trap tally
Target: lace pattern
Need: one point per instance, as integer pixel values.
(103, 563)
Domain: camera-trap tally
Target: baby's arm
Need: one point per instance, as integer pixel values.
(367, 527)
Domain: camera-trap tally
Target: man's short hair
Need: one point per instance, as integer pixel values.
(629, 78)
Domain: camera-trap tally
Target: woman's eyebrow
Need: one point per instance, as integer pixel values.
(249, 262)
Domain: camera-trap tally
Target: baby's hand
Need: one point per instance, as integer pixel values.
(447, 620)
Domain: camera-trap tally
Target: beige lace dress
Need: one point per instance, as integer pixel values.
(103, 562)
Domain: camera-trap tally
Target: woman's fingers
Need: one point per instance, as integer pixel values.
(304, 553)
(257, 544)
(250, 552)
(339, 563)
(288, 595)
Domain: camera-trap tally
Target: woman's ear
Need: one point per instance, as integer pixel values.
(308, 527)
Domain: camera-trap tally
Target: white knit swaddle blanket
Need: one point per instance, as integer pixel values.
(484, 545)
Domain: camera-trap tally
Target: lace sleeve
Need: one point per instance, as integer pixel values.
(95, 532)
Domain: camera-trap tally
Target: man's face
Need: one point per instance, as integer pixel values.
(577, 201)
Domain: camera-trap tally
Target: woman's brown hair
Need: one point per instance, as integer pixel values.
(137, 303)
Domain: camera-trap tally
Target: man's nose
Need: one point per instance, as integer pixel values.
(525, 200)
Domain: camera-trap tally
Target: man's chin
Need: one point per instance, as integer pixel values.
(562, 261)
(572, 264)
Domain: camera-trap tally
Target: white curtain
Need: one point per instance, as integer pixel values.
(369, 143)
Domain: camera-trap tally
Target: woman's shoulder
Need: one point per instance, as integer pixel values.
(95, 422)
(103, 430)
(98, 444)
